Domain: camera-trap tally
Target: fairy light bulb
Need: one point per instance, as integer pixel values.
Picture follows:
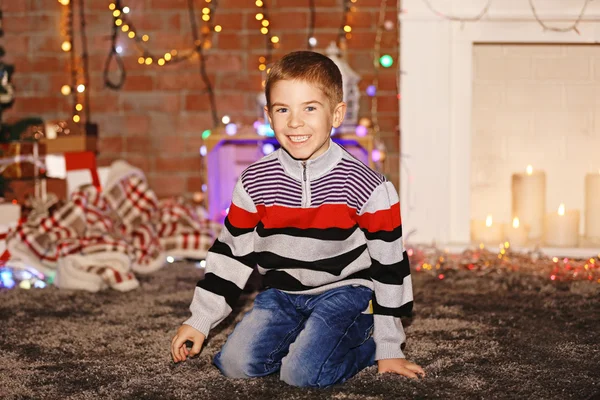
(265, 22)
(112, 6)
(264, 30)
(66, 46)
(529, 170)
(125, 28)
(118, 22)
(131, 34)
(218, 28)
(64, 2)
(386, 61)
(79, 107)
(65, 90)
(275, 39)
(148, 60)
(125, 10)
(141, 60)
(168, 56)
(561, 209)
(145, 38)
(515, 223)
(206, 18)
(347, 28)
(81, 88)
(161, 61)
(76, 118)
(116, 13)
(259, 3)
(259, 16)
(206, 10)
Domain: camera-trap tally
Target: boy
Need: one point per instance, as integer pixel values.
(326, 234)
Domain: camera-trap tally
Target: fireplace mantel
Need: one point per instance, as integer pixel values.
(436, 95)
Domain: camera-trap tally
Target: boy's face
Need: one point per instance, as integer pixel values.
(302, 117)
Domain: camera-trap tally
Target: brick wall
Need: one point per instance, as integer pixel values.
(155, 120)
(534, 104)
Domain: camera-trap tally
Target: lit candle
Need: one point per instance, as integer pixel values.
(562, 228)
(486, 231)
(592, 207)
(529, 200)
(517, 233)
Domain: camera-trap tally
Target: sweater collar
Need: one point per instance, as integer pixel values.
(315, 168)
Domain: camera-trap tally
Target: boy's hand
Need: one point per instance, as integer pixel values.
(179, 351)
(400, 366)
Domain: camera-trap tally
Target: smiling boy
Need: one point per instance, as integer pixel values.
(325, 232)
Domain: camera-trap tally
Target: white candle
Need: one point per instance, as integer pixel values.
(592, 206)
(529, 200)
(517, 233)
(562, 228)
(486, 231)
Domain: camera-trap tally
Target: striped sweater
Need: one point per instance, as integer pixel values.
(309, 227)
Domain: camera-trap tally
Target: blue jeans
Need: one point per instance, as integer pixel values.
(312, 340)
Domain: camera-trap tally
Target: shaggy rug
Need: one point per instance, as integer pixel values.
(503, 336)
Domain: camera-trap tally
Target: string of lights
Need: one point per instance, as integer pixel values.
(474, 18)
(85, 64)
(534, 11)
(572, 27)
(201, 40)
(271, 42)
(311, 41)
(114, 54)
(345, 31)
(376, 64)
(77, 86)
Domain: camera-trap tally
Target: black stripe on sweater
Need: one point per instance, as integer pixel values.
(386, 236)
(222, 287)
(219, 247)
(335, 234)
(235, 232)
(404, 310)
(393, 274)
(284, 281)
(333, 265)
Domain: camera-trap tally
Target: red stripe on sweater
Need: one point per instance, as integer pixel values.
(241, 218)
(382, 220)
(323, 217)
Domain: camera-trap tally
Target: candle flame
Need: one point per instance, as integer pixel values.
(515, 222)
(529, 170)
(488, 221)
(561, 209)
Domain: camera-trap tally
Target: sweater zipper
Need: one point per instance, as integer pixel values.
(305, 187)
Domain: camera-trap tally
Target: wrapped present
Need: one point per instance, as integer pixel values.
(68, 136)
(9, 217)
(17, 159)
(21, 190)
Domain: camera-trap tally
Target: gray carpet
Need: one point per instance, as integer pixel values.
(496, 337)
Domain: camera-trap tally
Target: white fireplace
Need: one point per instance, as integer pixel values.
(437, 92)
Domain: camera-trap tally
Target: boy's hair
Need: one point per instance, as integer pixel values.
(309, 66)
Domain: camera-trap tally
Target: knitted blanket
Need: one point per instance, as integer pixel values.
(102, 239)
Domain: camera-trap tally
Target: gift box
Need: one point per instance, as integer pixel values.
(67, 136)
(16, 159)
(20, 190)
